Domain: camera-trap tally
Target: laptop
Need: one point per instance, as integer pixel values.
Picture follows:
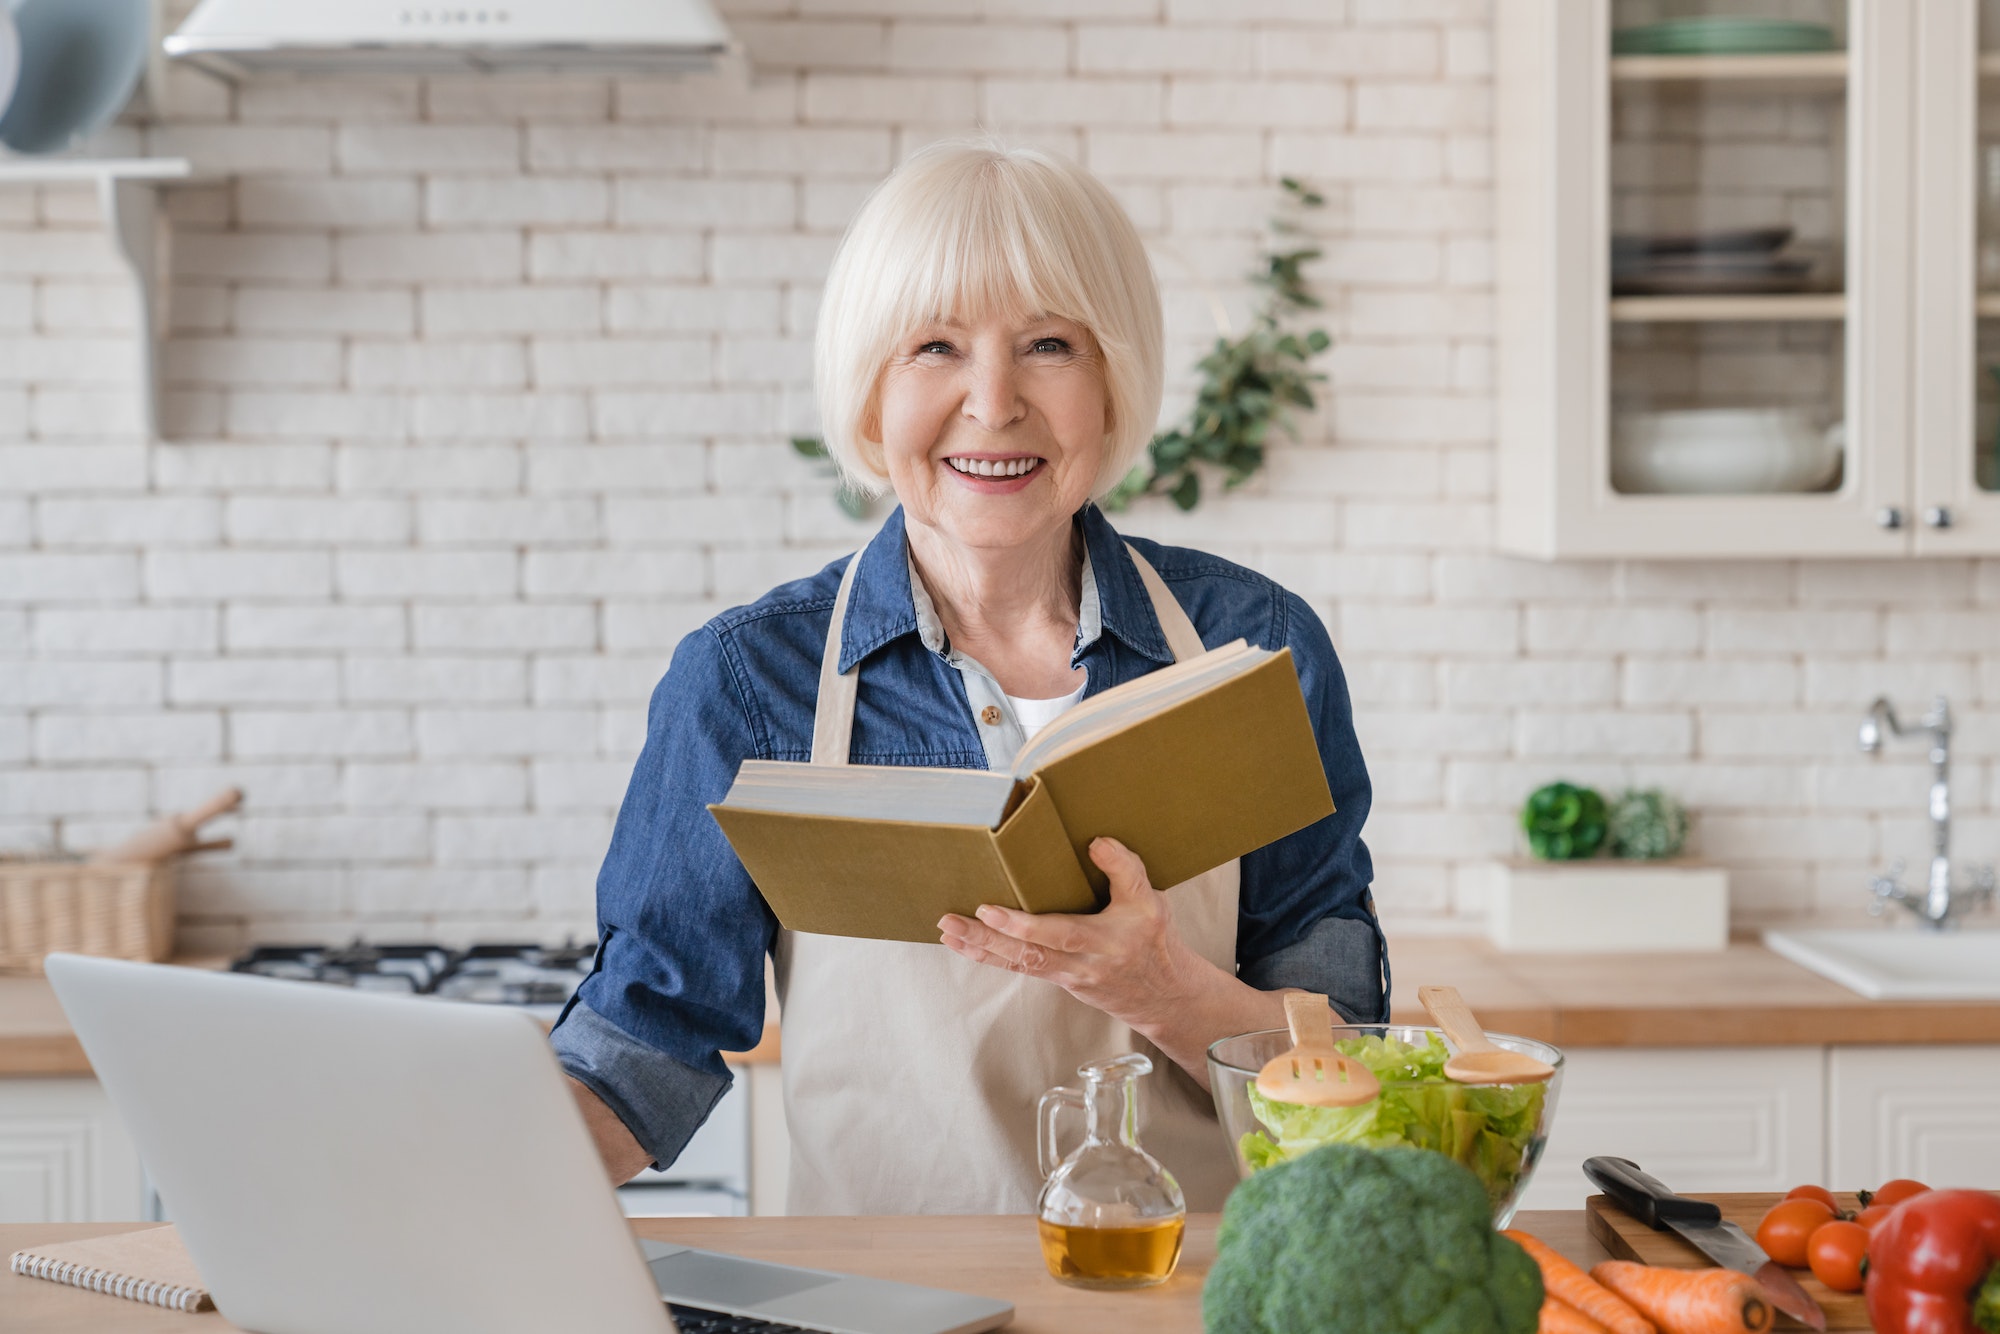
(343, 1162)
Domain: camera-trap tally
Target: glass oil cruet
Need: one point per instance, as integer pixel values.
(1110, 1215)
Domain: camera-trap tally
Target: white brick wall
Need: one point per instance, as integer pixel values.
(478, 390)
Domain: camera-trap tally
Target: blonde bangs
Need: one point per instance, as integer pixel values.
(964, 232)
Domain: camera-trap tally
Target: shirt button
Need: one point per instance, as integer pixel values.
(990, 715)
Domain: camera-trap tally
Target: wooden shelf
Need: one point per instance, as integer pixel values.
(1811, 71)
(1987, 305)
(1989, 64)
(1690, 309)
(128, 190)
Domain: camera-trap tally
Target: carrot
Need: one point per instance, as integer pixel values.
(1567, 1283)
(1557, 1318)
(1689, 1301)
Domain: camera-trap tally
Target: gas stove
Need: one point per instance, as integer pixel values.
(540, 978)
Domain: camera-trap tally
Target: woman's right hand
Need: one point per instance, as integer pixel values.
(622, 1156)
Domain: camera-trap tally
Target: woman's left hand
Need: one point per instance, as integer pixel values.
(1127, 959)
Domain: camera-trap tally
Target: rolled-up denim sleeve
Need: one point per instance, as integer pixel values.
(661, 1100)
(1306, 917)
(682, 932)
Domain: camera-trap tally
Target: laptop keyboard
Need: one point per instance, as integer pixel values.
(694, 1320)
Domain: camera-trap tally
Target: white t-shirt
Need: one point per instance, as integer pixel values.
(1035, 714)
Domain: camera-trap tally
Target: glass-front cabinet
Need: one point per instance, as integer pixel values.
(1717, 231)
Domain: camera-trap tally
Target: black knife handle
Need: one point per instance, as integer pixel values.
(1644, 1198)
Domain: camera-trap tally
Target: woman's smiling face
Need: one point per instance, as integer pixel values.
(993, 429)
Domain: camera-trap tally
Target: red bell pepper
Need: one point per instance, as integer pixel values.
(1932, 1260)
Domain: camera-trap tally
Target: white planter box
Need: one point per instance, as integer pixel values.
(1607, 905)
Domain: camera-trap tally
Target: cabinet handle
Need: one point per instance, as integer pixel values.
(1889, 516)
(1937, 516)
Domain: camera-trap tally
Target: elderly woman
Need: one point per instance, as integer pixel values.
(990, 350)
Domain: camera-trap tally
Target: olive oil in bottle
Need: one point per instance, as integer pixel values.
(1113, 1257)
(1109, 1215)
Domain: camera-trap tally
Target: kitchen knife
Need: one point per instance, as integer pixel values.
(1701, 1223)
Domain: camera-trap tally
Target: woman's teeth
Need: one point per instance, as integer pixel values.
(994, 467)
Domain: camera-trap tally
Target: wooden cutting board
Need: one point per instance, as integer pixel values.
(1629, 1239)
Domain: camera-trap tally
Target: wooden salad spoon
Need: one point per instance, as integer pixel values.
(1478, 1061)
(1315, 1073)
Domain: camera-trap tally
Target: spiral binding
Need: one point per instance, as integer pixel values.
(170, 1295)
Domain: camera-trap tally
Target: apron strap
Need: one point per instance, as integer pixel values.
(1174, 622)
(833, 718)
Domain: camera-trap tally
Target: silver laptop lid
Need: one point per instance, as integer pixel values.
(348, 1163)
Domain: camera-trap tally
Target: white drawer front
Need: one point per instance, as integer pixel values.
(1718, 1119)
(1932, 1113)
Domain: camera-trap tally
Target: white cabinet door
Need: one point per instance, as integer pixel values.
(1932, 1113)
(64, 1157)
(1711, 1119)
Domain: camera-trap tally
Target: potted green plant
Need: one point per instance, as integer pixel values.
(1605, 876)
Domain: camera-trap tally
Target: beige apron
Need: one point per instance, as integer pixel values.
(911, 1075)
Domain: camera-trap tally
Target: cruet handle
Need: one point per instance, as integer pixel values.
(1046, 1112)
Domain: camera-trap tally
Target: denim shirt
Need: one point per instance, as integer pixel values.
(682, 931)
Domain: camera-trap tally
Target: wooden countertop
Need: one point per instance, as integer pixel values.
(994, 1257)
(1742, 996)
(36, 1039)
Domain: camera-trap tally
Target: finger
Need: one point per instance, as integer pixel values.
(1022, 956)
(1028, 959)
(1122, 867)
(1064, 933)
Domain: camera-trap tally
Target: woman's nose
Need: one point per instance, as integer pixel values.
(993, 393)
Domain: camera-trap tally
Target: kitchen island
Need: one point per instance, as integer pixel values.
(993, 1257)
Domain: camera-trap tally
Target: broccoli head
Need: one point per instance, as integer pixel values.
(1350, 1240)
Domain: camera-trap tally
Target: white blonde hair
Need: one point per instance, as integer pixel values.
(964, 230)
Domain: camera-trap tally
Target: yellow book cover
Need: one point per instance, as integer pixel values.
(1189, 766)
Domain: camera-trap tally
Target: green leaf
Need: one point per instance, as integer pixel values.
(810, 446)
(1318, 341)
(1187, 492)
(853, 504)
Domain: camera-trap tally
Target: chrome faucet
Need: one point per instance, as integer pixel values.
(1945, 897)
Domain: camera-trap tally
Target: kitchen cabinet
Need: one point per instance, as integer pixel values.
(1932, 1113)
(1700, 1119)
(1770, 1118)
(64, 1157)
(1748, 304)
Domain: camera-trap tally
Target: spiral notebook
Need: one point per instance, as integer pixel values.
(149, 1265)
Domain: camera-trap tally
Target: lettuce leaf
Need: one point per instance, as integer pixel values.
(1488, 1128)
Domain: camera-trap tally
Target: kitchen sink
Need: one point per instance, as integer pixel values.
(1886, 964)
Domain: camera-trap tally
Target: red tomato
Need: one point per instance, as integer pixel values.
(1872, 1215)
(1788, 1227)
(1895, 1192)
(1835, 1252)
(1820, 1193)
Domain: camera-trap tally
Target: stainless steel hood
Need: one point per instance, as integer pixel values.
(239, 38)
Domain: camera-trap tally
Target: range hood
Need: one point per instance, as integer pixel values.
(239, 38)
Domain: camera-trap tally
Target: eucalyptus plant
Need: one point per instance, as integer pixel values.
(1250, 383)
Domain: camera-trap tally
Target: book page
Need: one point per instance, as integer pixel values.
(1123, 705)
(873, 792)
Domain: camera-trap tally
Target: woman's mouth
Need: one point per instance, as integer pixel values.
(995, 476)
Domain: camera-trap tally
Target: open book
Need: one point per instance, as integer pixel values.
(1188, 766)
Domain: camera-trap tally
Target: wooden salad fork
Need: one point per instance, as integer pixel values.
(1315, 1073)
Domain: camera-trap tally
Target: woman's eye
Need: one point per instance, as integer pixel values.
(1051, 345)
(933, 346)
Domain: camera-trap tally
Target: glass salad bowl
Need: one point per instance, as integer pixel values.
(1497, 1130)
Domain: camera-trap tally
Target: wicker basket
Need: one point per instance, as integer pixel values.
(122, 910)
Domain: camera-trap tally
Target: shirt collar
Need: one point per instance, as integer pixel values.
(888, 602)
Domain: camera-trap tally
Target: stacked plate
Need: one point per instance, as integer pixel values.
(1738, 261)
(67, 67)
(1720, 35)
